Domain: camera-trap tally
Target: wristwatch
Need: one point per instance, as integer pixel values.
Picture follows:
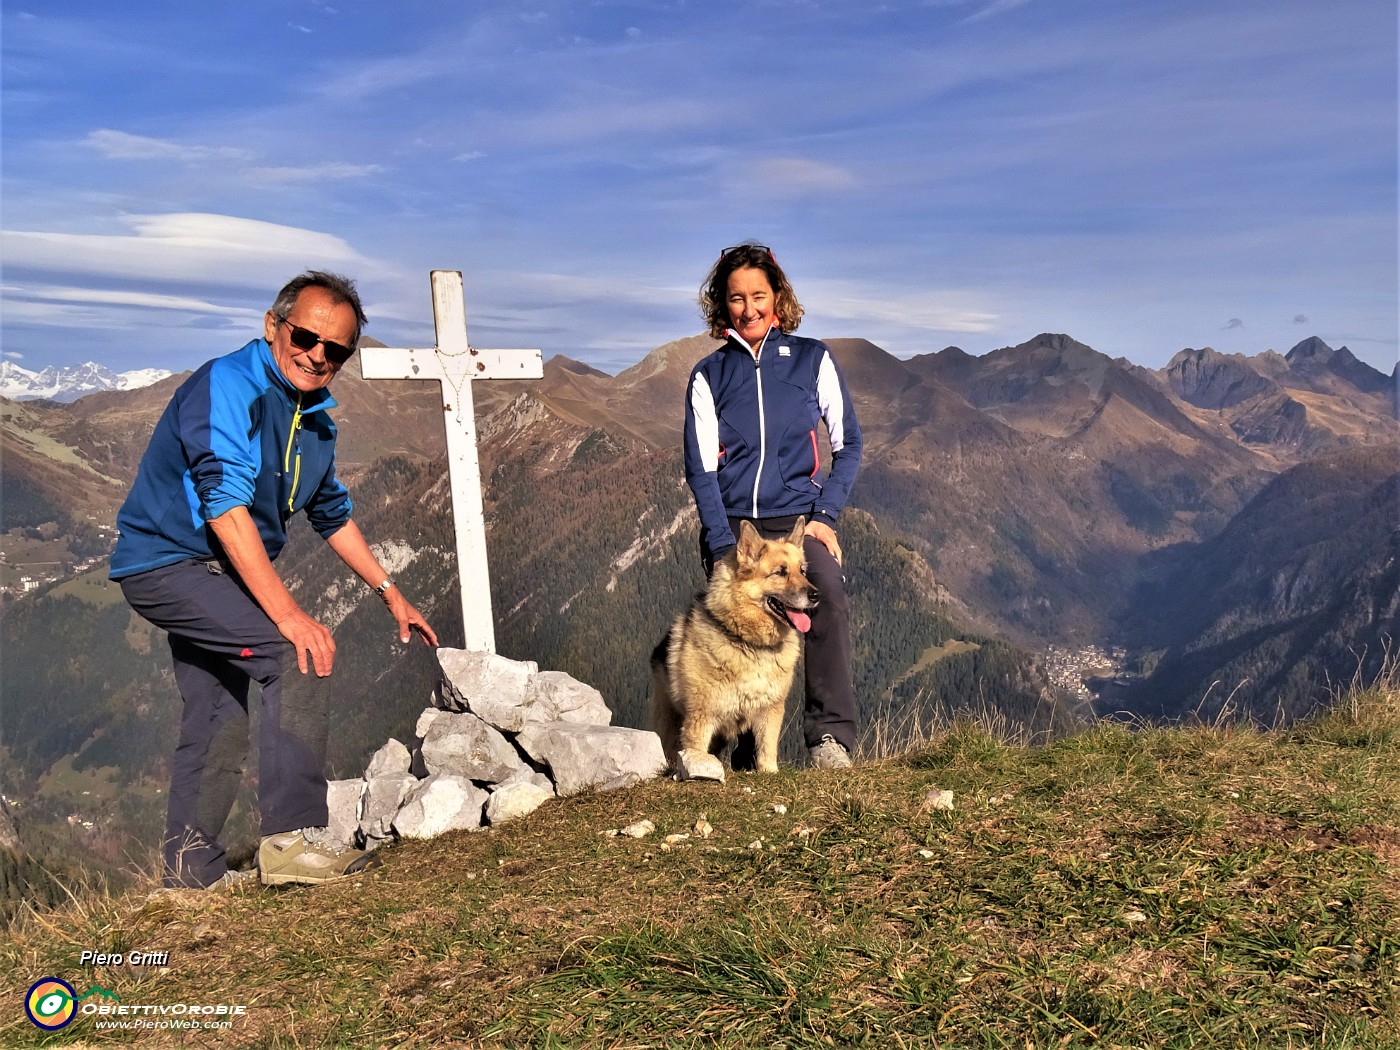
(384, 587)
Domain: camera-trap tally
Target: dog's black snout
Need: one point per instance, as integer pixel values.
(813, 596)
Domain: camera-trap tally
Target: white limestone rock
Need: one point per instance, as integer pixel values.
(440, 803)
(380, 802)
(698, 765)
(550, 696)
(938, 799)
(420, 731)
(640, 830)
(463, 745)
(584, 756)
(343, 801)
(472, 678)
(512, 801)
(526, 775)
(426, 720)
(391, 759)
(553, 696)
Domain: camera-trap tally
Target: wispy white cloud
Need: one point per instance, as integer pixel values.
(929, 310)
(119, 317)
(997, 7)
(120, 145)
(800, 175)
(508, 307)
(369, 79)
(115, 297)
(190, 247)
(559, 288)
(607, 115)
(312, 173)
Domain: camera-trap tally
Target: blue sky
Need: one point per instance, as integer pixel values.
(1142, 176)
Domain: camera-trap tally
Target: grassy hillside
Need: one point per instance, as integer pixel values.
(1207, 887)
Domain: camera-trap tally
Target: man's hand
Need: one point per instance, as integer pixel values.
(349, 543)
(309, 637)
(408, 618)
(826, 535)
(238, 536)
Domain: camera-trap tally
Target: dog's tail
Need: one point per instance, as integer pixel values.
(665, 722)
(658, 655)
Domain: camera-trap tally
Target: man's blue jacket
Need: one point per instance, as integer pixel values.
(236, 434)
(751, 447)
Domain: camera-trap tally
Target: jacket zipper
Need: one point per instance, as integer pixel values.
(287, 467)
(762, 427)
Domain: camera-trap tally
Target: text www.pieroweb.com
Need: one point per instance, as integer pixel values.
(151, 1024)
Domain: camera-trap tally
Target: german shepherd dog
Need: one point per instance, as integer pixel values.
(726, 665)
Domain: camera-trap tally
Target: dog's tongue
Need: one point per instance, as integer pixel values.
(799, 619)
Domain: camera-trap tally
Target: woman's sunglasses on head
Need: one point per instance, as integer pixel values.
(741, 247)
(306, 339)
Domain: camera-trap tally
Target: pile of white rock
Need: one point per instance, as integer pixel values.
(500, 739)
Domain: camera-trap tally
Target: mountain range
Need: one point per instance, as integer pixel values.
(1227, 521)
(71, 381)
(1034, 478)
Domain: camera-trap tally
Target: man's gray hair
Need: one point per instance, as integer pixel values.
(342, 290)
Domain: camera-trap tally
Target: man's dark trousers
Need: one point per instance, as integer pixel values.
(221, 641)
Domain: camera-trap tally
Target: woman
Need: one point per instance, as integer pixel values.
(751, 452)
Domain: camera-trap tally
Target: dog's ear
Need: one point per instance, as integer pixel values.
(750, 542)
(797, 530)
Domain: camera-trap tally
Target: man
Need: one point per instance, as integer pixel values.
(245, 443)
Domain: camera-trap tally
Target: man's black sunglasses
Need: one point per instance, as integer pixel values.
(306, 339)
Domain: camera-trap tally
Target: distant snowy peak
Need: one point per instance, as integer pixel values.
(141, 377)
(71, 382)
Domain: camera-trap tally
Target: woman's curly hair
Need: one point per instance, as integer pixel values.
(715, 291)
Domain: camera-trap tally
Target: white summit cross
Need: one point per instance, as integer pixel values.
(456, 365)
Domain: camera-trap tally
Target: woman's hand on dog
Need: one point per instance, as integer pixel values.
(826, 536)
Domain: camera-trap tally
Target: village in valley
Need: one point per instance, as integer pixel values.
(1071, 667)
(31, 558)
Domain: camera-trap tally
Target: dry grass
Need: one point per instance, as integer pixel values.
(1212, 887)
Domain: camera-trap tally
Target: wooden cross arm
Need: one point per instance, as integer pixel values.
(388, 362)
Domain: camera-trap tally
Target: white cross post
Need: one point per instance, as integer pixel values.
(456, 365)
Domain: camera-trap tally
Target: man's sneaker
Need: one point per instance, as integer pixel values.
(308, 856)
(236, 880)
(229, 882)
(829, 754)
